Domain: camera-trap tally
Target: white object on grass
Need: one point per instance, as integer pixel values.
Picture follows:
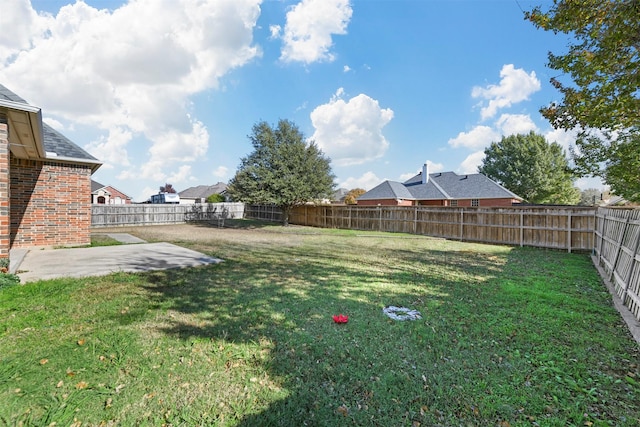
(401, 313)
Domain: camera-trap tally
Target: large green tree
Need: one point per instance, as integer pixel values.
(532, 168)
(283, 169)
(600, 86)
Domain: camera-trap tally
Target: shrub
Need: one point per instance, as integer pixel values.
(215, 198)
(6, 278)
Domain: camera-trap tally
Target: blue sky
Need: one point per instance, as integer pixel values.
(167, 91)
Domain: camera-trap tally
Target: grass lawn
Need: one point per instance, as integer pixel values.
(508, 337)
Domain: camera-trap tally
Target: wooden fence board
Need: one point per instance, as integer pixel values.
(151, 214)
(565, 228)
(616, 252)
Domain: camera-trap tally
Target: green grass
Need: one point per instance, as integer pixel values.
(103, 240)
(509, 336)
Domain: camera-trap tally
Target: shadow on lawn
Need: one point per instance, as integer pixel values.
(289, 297)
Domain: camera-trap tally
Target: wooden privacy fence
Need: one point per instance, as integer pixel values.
(566, 228)
(151, 214)
(617, 253)
(263, 212)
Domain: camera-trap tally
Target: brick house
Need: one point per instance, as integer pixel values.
(200, 193)
(108, 195)
(440, 189)
(44, 181)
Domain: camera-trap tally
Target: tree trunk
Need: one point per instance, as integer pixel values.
(285, 215)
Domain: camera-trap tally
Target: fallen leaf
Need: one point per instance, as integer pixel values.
(70, 373)
(343, 410)
(82, 385)
(44, 361)
(60, 384)
(81, 342)
(108, 403)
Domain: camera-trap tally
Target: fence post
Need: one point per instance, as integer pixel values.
(415, 219)
(521, 228)
(601, 231)
(461, 224)
(569, 232)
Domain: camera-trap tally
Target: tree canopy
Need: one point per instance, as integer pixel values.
(601, 99)
(215, 198)
(167, 188)
(283, 169)
(352, 195)
(532, 168)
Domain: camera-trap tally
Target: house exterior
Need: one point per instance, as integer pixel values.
(108, 195)
(440, 189)
(44, 181)
(200, 193)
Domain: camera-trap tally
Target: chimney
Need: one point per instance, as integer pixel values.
(425, 173)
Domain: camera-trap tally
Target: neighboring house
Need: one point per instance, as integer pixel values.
(44, 181)
(339, 195)
(107, 195)
(440, 189)
(200, 193)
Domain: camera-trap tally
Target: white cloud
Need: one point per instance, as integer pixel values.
(221, 172)
(350, 133)
(471, 163)
(434, 167)
(366, 181)
(513, 124)
(515, 86)
(129, 71)
(112, 149)
(478, 137)
(53, 123)
(21, 26)
(183, 174)
(309, 27)
(562, 137)
(275, 31)
(346, 68)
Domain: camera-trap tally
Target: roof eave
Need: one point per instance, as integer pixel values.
(94, 165)
(25, 129)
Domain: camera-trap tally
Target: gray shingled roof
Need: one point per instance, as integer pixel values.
(445, 185)
(7, 95)
(58, 145)
(95, 186)
(388, 190)
(55, 144)
(203, 191)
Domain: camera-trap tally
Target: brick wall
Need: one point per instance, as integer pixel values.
(50, 204)
(5, 241)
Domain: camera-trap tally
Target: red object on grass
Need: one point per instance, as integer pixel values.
(341, 318)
